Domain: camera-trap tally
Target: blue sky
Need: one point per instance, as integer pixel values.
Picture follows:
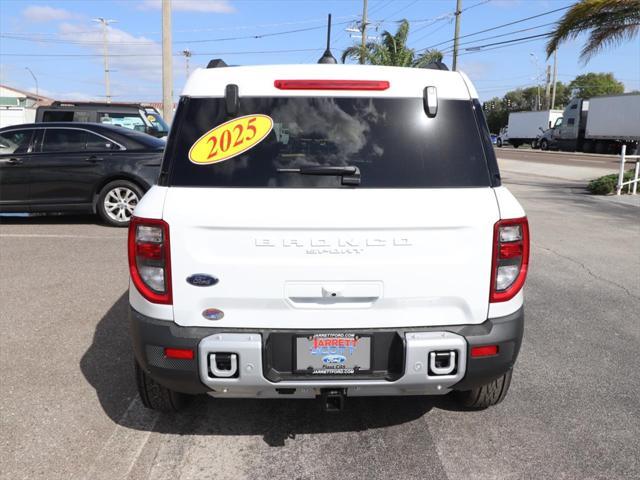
(38, 34)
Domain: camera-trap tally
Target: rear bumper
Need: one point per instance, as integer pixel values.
(257, 378)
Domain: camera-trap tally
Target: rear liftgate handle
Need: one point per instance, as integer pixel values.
(330, 294)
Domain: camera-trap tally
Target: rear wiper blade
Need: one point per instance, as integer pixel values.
(349, 173)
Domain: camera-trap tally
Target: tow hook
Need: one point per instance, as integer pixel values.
(442, 363)
(333, 399)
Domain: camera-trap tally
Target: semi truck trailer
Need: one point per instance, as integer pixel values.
(599, 124)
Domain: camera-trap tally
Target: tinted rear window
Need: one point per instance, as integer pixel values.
(391, 141)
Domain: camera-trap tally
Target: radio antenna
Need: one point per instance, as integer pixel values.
(327, 56)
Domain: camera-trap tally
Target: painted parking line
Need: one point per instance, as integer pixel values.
(49, 235)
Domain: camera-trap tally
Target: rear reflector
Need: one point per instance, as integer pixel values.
(331, 84)
(484, 351)
(179, 353)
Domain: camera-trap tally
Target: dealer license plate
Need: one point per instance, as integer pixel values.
(333, 353)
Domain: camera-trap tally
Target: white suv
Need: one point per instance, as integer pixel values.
(327, 231)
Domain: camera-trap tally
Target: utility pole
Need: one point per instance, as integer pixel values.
(456, 35)
(105, 50)
(555, 78)
(547, 90)
(187, 56)
(167, 74)
(364, 32)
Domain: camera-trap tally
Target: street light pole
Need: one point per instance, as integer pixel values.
(537, 77)
(35, 80)
(167, 74)
(105, 49)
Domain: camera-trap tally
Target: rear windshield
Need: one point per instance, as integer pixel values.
(391, 141)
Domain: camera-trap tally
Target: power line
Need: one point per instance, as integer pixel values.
(500, 26)
(503, 35)
(401, 10)
(200, 30)
(505, 44)
(137, 55)
(479, 47)
(150, 43)
(428, 34)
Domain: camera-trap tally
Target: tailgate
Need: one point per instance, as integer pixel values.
(332, 258)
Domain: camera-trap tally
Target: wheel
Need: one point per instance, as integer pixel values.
(544, 145)
(116, 202)
(587, 147)
(515, 145)
(601, 147)
(632, 149)
(487, 395)
(499, 142)
(157, 397)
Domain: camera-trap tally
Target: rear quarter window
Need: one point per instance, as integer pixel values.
(391, 141)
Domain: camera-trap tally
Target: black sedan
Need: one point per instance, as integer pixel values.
(76, 167)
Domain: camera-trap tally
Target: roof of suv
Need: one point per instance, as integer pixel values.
(130, 138)
(259, 81)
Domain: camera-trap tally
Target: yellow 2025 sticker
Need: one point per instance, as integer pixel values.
(230, 139)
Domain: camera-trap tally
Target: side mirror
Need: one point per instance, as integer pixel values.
(430, 100)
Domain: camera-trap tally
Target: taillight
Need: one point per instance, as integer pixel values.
(331, 84)
(149, 259)
(510, 258)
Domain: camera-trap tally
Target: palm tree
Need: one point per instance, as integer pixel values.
(610, 22)
(393, 51)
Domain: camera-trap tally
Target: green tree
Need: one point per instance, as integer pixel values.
(392, 50)
(594, 84)
(609, 22)
(563, 95)
(496, 110)
(496, 113)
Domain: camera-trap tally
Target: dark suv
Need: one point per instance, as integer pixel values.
(132, 116)
(79, 167)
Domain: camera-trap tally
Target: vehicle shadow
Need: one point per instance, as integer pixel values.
(49, 219)
(108, 367)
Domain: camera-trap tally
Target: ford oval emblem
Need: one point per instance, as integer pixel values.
(213, 314)
(202, 280)
(334, 359)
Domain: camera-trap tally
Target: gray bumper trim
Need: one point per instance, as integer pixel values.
(187, 376)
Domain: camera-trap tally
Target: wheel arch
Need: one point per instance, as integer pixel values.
(137, 181)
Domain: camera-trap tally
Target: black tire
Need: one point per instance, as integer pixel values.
(515, 145)
(499, 142)
(587, 147)
(157, 397)
(601, 147)
(119, 216)
(487, 395)
(544, 145)
(632, 149)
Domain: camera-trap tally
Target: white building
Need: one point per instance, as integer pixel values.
(18, 106)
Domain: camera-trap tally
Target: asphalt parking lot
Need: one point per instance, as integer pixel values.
(69, 407)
